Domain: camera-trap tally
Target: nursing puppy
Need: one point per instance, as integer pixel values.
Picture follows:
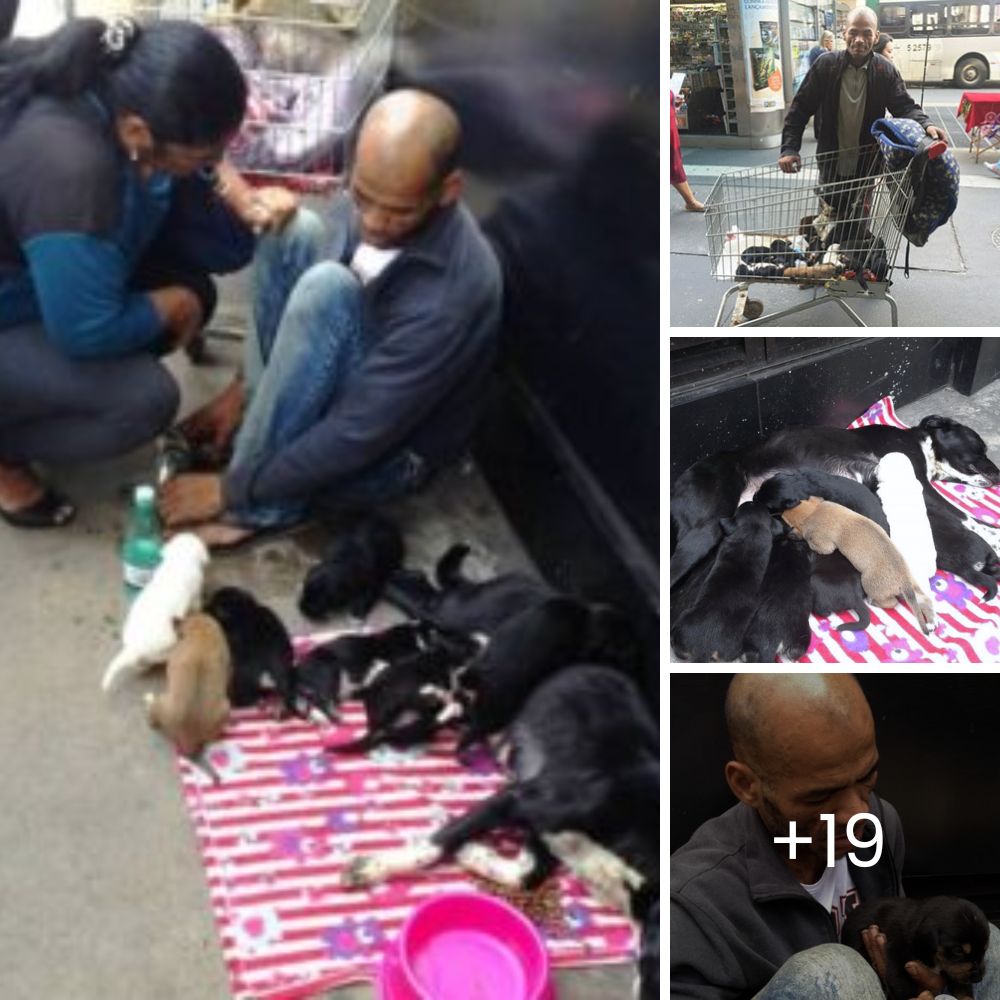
(781, 622)
(836, 588)
(964, 553)
(195, 705)
(337, 670)
(530, 647)
(259, 646)
(885, 577)
(354, 571)
(788, 488)
(948, 935)
(902, 499)
(713, 629)
(460, 603)
(150, 630)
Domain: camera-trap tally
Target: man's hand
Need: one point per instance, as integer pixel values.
(937, 133)
(930, 982)
(191, 499)
(790, 164)
(179, 310)
(213, 427)
(268, 209)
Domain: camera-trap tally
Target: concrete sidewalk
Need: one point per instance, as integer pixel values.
(951, 278)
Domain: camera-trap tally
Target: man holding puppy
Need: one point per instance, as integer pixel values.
(849, 90)
(750, 920)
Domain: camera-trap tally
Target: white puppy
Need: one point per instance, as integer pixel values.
(150, 630)
(902, 499)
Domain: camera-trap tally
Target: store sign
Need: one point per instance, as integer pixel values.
(763, 54)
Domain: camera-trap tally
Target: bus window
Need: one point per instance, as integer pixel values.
(969, 19)
(892, 18)
(996, 19)
(926, 20)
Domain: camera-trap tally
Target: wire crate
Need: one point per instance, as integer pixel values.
(312, 67)
(812, 229)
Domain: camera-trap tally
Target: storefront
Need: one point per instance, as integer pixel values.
(735, 66)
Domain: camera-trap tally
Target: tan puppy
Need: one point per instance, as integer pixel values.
(885, 576)
(195, 706)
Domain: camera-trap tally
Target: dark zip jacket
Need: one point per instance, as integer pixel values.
(820, 93)
(737, 914)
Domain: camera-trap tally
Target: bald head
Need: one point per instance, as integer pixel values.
(776, 719)
(410, 131)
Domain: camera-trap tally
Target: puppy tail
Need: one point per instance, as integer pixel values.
(125, 662)
(449, 568)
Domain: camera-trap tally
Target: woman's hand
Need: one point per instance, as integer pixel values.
(180, 314)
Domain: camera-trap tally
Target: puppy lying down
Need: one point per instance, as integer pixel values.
(948, 935)
(885, 576)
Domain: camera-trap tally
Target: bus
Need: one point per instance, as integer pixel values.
(958, 42)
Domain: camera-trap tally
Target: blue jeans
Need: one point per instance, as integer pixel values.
(836, 972)
(310, 337)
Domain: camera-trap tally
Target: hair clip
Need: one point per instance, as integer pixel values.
(118, 37)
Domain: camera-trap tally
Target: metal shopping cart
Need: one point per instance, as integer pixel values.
(815, 230)
(312, 67)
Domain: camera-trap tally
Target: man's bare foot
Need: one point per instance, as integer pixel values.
(19, 488)
(215, 424)
(220, 535)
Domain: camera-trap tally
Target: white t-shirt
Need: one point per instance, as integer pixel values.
(835, 892)
(369, 262)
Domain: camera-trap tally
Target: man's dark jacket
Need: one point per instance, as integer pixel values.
(737, 913)
(820, 92)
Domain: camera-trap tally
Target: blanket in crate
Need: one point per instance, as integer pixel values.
(275, 832)
(968, 627)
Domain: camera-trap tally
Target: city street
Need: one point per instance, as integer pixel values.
(952, 279)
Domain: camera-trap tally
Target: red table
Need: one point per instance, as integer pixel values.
(981, 112)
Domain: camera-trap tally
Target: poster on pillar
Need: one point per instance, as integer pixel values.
(763, 45)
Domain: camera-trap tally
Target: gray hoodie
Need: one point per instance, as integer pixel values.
(737, 914)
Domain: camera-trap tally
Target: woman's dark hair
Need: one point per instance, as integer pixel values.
(883, 40)
(176, 75)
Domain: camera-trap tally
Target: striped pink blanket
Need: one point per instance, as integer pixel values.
(274, 835)
(968, 629)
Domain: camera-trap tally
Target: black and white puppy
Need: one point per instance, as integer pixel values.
(964, 553)
(354, 571)
(938, 448)
(529, 647)
(781, 622)
(713, 628)
(259, 646)
(585, 790)
(786, 489)
(948, 935)
(836, 587)
(337, 670)
(413, 697)
(459, 603)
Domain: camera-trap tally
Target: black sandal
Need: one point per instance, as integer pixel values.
(52, 510)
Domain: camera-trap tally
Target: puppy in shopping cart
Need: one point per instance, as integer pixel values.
(849, 90)
(367, 367)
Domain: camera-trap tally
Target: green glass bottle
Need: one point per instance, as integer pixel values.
(143, 545)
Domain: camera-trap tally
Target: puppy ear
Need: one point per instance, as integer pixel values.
(728, 525)
(777, 527)
(932, 422)
(789, 504)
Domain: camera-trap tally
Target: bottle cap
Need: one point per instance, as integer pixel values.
(145, 494)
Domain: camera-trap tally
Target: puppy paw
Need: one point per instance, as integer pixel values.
(362, 870)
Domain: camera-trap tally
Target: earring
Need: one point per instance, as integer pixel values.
(133, 155)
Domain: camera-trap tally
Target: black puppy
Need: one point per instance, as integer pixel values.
(407, 702)
(354, 571)
(963, 552)
(948, 935)
(787, 488)
(259, 645)
(836, 587)
(586, 757)
(336, 670)
(713, 629)
(781, 622)
(529, 647)
(462, 604)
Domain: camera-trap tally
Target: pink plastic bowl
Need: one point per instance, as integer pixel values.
(466, 946)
